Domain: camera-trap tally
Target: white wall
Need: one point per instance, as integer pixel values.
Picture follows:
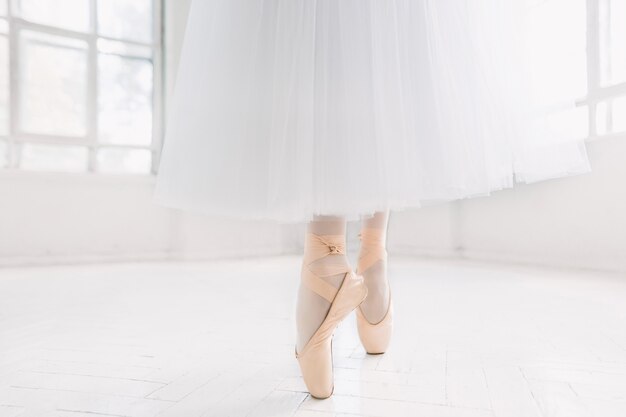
(578, 221)
(57, 217)
(52, 218)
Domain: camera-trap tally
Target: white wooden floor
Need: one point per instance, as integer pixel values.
(216, 339)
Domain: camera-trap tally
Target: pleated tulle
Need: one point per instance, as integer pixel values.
(288, 108)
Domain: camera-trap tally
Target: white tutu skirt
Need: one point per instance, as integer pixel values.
(284, 109)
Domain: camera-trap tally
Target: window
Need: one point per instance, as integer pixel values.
(607, 67)
(80, 85)
(558, 60)
(586, 52)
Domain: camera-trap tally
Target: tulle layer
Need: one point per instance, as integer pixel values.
(284, 109)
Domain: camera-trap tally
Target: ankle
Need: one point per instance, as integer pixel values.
(373, 237)
(373, 248)
(331, 268)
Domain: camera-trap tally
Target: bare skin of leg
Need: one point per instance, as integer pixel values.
(376, 304)
(312, 309)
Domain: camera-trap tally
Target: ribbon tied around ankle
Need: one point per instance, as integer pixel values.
(316, 248)
(372, 248)
(372, 237)
(319, 245)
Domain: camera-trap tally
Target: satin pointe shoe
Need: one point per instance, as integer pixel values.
(375, 337)
(315, 359)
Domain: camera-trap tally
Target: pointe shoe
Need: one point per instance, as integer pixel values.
(316, 358)
(375, 337)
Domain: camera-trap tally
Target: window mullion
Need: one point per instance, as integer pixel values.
(14, 150)
(605, 56)
(129, 41)
(51, 30)
(604, 93)
(593, 61)
(158, 87)
(92, 112)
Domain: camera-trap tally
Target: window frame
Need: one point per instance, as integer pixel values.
(596, 92)
(90, 140)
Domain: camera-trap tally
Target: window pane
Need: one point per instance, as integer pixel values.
(619, 114)
(68, 14)
(4, 86)
(123, 19)
(125, 101)
(4, 26)
(3, 7)
(54, 158)
(602, 118)
(558, 57)
(124, 161)
(618, 42)
(53, 85)
(4, 154)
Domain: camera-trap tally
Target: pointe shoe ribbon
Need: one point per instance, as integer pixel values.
(372, 248)
(375, 337)
(315, 359)
(316, 248)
